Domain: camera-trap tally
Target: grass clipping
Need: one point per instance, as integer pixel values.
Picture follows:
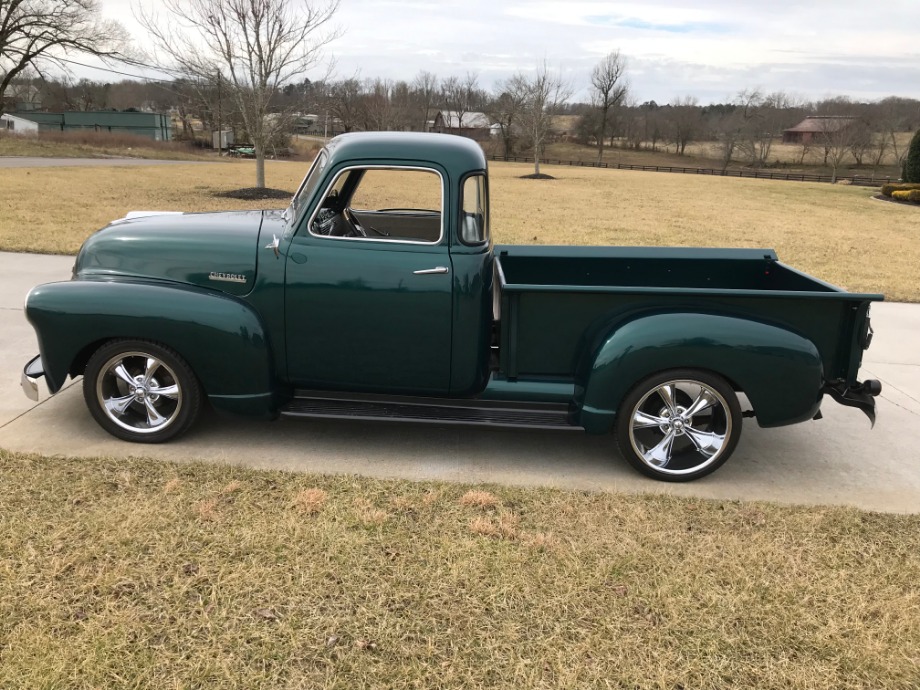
(150, 574)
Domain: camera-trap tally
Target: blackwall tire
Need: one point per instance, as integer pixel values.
(141, 391)
(679, 425)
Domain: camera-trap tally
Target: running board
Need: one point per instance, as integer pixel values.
(432, 411)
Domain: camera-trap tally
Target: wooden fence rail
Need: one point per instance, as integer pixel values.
(756, 174)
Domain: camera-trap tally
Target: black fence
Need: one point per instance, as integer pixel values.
(756, 174)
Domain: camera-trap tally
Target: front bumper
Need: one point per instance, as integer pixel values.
(862, 395)
(33, 380)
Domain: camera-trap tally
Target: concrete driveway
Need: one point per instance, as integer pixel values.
(837, 460)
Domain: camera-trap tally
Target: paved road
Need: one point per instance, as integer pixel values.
(837, 460)
(30, 162)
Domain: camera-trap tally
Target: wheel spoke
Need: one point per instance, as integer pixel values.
(660, 455)
(703, 401)
(707, 443)
(118, 406)
(171, 392)
(668, 394)
(641, 420)
(122, 373)
(154, 418)
(152, 365)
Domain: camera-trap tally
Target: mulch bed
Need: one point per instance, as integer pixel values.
(255, 194)
(541, 176)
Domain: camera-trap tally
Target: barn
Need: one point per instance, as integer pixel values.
(814, 126)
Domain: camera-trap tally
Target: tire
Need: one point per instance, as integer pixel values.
(657, 437)
(140, 391)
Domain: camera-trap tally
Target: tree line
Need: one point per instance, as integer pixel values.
(242, 64)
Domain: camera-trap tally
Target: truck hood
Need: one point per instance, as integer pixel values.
(214, 250)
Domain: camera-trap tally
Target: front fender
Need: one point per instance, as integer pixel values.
(221, 337)
(779, 371)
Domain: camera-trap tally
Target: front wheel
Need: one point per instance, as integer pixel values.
(680, 425)
(140, 391)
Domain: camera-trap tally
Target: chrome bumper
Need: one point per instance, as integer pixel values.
(33, 380)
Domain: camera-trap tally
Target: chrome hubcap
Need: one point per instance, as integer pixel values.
(680, 426)
(138, 392)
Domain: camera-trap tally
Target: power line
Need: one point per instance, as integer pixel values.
(124, 74)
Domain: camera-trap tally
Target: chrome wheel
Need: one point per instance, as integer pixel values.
(138, 392)
(680, 426)
(141, 391)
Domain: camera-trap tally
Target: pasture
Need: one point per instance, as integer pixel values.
(836, 232)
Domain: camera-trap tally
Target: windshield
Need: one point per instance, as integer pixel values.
(309, 184)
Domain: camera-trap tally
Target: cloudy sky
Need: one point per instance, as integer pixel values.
(712, 50)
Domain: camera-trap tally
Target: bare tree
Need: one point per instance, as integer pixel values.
(37, 32)
(762, 118)
(544, 93)
(608, 89)
(425, 90)
(836, 135)
(685, 119)
(461, 96)
(729, 132)
(345, 102)
(255, 45)
(505, 110)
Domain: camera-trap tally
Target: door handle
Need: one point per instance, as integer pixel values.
(432, 271)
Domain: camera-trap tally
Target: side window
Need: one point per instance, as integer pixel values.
(474, 213)
(394, 204)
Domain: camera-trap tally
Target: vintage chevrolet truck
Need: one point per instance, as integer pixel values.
(377, 294)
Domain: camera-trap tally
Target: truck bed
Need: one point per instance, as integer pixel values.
(554, 299)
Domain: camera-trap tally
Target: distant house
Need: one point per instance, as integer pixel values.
(156, 126)
(471, 124)
(814, 126)
(23, 97)
(17, 125)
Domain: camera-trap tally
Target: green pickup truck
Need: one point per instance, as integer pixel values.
(377, 294)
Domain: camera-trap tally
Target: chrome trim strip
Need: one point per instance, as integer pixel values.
(432, 271)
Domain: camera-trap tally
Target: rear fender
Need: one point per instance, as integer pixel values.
(779, 371)
(221, 337)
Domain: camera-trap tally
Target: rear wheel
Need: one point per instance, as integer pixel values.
(140, 391)
(679, 425)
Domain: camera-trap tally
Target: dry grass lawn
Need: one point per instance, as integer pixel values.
(835, 232)
(130, 574)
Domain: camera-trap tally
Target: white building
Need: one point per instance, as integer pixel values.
(17, 125)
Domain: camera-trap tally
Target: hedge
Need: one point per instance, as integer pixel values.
(906, 195)
(887, 189)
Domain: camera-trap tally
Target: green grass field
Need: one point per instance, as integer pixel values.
(144, 574)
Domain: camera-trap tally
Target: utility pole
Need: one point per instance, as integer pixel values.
(220, 132)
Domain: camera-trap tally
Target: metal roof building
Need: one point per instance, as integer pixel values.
(814, 126)
(156, 126)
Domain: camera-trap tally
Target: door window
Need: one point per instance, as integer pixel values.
(390, 204)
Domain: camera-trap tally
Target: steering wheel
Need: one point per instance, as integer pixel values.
(324, 222)
(350, 217)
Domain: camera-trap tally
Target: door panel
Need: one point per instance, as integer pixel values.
(359, 318)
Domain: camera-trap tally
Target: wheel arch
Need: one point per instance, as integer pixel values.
(779, 371)
(221, 337)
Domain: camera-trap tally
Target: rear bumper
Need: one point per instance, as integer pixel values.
(862, 395)
(33, 380)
